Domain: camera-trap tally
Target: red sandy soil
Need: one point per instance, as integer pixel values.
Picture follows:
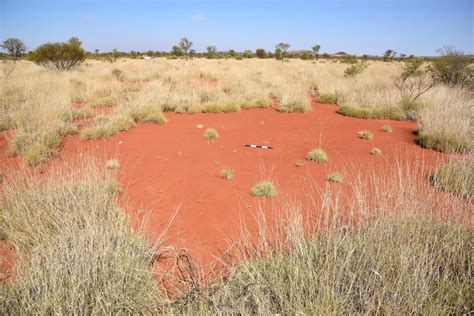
(164, 168)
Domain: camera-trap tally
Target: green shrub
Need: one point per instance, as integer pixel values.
(148, 113)
(118, 74)
(218, 107)
(59, 56)
(317, 155)
(444, 142)
(355, 69)
(387, 113)
(257, 103)
(335, 177)
(227, 174)
(364, 134)
(263, 189)
(36, 154)
(376, 151)
(456, 177)
(104, 102)
(211, 134)
(386, 128)
(452, 67)
(328, 98)
(115, 125)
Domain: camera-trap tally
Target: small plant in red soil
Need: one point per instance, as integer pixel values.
(376, 151)
(386, 128)
(317, 155)
(211, 134)
(335, 177)
(227, 174)
(112, 164)
(364, 134)
(263, 189)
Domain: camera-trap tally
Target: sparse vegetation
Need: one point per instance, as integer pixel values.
(372, 113)
(327, 98)
(376, 151)
(317, 155)
(227, 174)
(386, 129)
(211, 134)
(263, 189)
(456, 177)
(108, 127)
(364, 134)
(335, 177)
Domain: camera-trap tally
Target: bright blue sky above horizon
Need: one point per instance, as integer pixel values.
(417, 27)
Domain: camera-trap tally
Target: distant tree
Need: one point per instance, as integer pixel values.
(114, 55)
(96, 51)
(232, 53)
(260, 53)
(211, 51)
(452, 68)
(403, 56)
(74, 41)
(389, 55)
(277, 53)
(283, 48)
(185, 45)
(247, 53)
(176, 50)
(192, 53)
(315, 50)
(14, 47)
(59, 56)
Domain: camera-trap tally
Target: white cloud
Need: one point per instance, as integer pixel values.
(198, 17)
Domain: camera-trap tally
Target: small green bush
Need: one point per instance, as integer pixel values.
(148, 113)
(317, 155)
(104, 102)
(118, 74)
(227, 174)
(444, 142)
(257, 103)
(263, 189)
(376, 151)
(456, 177)
(355, 69)
(36, 154)
(211, 134)
(218, 107)
(386, 128)
(388, 113)
(108, 128)
(364, 134)
(328, 98)
(335, 177)
(59, 56)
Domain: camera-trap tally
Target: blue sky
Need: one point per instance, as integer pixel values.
(355, 26)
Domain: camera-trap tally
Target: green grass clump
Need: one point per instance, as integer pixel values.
(257, 103)
(227, 174)
(388, 113)
(35, 146)
(263, 189)
(364, 134)
(294, 106)
(444, 142)
(317, 155)
(335, 177)
(6, 122)
(36, 154)
(328, 98)
(376, 151)
(386, 128)
(148, 113)
(218, 107)
(82, 254)
(104, 102)
(211, 134)
(456, 177)
(109, 127)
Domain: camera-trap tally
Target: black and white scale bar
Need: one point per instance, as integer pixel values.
(259, 146)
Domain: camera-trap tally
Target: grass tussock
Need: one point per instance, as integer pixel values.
(376, 151)
(104, 102)
(211, 134)
(77, 252)
(264, 189)
(372, 113)
(317, 155)
(335, 177)
(108, 127)
(386, 128)
(36, 148)
(327, 98)
(227, 174)
(364, 134)
(456, 177)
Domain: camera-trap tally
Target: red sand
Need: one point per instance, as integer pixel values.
(170, 167)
